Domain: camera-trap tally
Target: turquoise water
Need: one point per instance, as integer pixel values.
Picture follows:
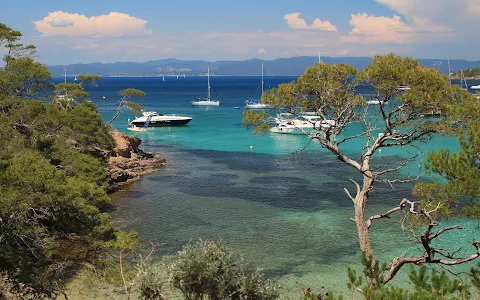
(285, 213)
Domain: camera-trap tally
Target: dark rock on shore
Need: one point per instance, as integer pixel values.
(127, 162)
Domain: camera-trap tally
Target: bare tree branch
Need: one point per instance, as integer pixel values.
(354, 199)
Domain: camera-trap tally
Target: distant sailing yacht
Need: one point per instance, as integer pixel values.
(255, 103)
(206, 101)
(163, 78)
(463, 80)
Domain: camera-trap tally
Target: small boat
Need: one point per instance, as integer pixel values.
(256, 104)
(154, 119)
(286, 127)
(372, 100)
(206, 101)
(305, 124)
(163, 78)
(475, 87)
(133, 127)
(75, 79)
(403, 88)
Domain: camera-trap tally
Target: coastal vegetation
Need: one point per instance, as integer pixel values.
(54, 221)
(402, 119)
(54, 205)
(470, 74)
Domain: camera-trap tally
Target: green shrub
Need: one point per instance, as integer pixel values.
(207, 270)
(151, 281)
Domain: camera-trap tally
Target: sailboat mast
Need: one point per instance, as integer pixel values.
(65, 75)
(464, 80)
(208, 75)
(319, 58)
(262, 79)
(449, 73)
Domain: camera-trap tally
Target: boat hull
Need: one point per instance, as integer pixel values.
(258, 106)
(162, 123)
(289, 130)
(206, 103)
(136, 129)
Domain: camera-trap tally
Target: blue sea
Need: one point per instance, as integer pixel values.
(281, 208)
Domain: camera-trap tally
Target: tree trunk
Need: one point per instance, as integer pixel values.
(119, 108)
(362, 227)
(113, 119)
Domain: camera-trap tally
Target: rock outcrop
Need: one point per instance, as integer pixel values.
(127, 162)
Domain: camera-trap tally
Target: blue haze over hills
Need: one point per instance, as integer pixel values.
(293, 66)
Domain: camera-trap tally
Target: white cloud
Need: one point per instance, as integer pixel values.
(365, 24)
(294, 21)
(167, 50)
(114, 24)
(261, 51)
(372, 29)
(436, 15)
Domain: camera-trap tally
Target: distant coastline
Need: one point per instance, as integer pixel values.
(293, 66)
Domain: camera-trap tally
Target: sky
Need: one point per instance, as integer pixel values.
(68, 32)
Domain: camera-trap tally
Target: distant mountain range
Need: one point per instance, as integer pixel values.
(293, 66)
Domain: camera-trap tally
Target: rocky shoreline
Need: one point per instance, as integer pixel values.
(127, 162)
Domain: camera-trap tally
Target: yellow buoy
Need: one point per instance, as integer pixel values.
(251, 147)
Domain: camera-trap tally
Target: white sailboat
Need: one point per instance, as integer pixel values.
(163, 78)
(255, 103)
(206, 101)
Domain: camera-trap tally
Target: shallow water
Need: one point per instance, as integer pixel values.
(285, 213)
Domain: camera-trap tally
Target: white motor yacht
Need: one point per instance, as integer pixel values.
(305, 124)
(154, 119)
(286, 127)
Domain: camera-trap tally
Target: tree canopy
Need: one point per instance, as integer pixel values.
(400, 117)
(53, 201)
